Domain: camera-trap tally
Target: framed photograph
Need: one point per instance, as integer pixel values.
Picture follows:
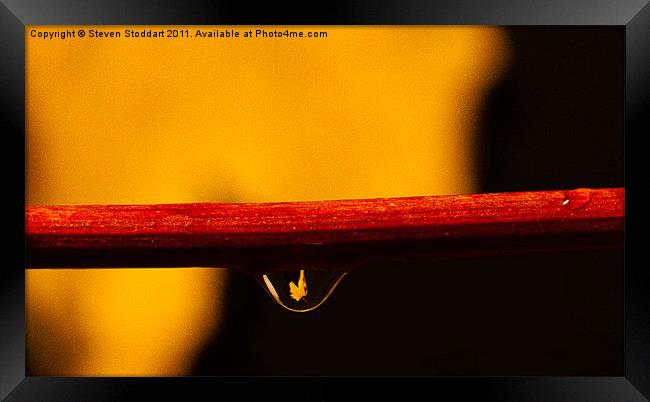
(386, 199)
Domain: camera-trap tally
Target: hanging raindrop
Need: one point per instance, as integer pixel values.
(301, 290)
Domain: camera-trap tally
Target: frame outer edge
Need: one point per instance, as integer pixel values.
(637, 275)
(12, 274)
(12, 42)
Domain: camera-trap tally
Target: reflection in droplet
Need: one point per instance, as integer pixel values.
(578, 198)
(301, 290)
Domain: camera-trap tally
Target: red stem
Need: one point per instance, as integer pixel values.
(324, 234)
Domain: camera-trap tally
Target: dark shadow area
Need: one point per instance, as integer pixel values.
(528, 315)
(554, 122)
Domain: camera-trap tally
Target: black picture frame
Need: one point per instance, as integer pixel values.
(633, 15)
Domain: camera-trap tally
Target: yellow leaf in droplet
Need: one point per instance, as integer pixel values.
(300, 291)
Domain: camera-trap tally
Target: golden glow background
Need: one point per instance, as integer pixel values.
(366, 112)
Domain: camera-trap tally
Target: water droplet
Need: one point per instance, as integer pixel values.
(301, 290)
(578, 198)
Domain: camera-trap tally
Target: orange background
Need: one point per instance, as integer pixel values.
(366, 112)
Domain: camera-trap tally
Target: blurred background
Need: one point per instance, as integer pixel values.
(366, 112)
